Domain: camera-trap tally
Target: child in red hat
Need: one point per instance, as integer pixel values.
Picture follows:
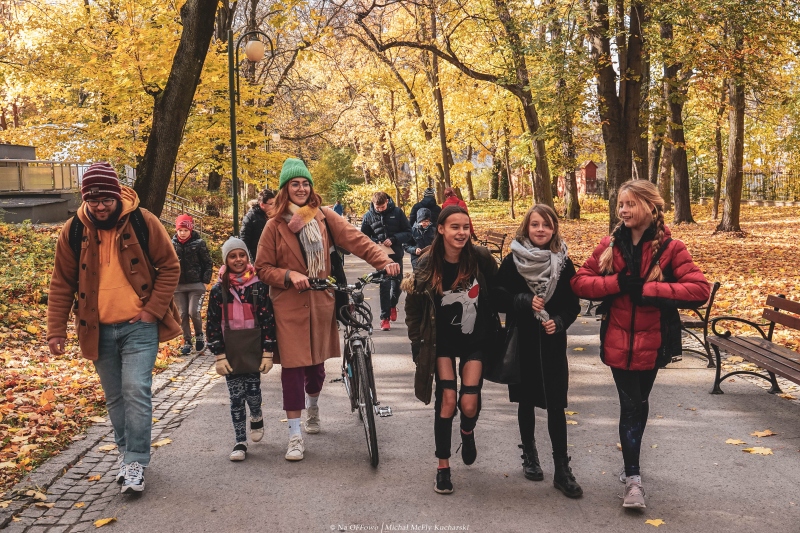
(196, 267)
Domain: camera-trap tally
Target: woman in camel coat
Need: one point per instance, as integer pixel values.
(295, 246)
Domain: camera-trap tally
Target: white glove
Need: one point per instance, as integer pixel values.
(223, 367)
(266, 363)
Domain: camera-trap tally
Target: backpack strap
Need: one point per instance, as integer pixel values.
(76, 236)
(142, 231)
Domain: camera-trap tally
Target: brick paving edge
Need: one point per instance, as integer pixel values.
(51, 470)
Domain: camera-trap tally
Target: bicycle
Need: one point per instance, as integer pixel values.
(357, 374)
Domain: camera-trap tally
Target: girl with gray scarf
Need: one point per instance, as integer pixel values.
(533, 289)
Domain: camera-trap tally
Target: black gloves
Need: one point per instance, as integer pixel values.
(631, 285)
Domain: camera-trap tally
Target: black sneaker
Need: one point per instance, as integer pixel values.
(199, 344)
(443, 484)
(468, 451)
(187, 349)
(134, 478)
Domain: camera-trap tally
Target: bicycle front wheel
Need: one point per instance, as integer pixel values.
(366, 409)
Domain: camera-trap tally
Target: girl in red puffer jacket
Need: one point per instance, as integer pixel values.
(643, 278)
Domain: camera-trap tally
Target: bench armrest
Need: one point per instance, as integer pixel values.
(727, 333)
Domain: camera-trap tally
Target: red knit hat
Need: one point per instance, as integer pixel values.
(184, 221)
(100, 181)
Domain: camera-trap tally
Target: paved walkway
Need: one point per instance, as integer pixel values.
(694, 480)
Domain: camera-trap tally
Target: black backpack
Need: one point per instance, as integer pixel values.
(139, 227)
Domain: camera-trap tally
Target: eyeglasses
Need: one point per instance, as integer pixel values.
(107, 202)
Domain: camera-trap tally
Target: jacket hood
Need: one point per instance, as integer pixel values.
(422, 214)
(429, 201)
(193, 237)
(390, 206)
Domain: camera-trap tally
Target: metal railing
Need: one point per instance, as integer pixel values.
(175, 206)
(22, 175)
(756, 185)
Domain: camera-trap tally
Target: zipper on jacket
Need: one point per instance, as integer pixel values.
(633, 334)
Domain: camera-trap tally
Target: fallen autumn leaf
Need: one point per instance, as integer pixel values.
(104, 521)
(758, 450)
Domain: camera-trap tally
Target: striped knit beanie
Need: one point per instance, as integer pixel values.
(429, 192)
(100, 181)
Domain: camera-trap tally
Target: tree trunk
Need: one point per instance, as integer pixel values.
(641, 162)
(665, 176)
(619, 113)
(510, 180)
(718, 149)
(654, 152)
(675, 92)
(172, 105)
(468, 177)
(494, 182)
(733, 180)
(571, 201)
(437, 95)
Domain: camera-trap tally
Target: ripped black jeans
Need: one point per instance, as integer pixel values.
(443, 427)
(633, 387)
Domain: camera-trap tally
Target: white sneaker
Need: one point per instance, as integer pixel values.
(312, 420)
(122, 469)
(296, 448)
(257, 429)
(134, 478)
(634, 493)
(239, 452)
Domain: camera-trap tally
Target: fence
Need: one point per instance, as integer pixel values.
(756, 185)
(18, 175)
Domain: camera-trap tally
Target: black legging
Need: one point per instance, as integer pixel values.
(633, 387)
(556, 426)
(443, 427)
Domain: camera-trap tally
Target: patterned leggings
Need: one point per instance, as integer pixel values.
(244, 387)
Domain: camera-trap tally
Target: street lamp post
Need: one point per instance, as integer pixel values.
(255, 51)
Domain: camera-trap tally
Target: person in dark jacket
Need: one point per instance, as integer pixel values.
(255, 219)
(533, 289)
(422, 234)
(643, 278)
(338, 208)
(449, 316)
(386, 224)
(429, 202)
(196, 267)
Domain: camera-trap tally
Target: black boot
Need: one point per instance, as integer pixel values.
(563, 479)
(530, 462)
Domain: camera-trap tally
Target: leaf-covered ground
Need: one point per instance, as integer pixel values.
(766, 261)
(46, 401)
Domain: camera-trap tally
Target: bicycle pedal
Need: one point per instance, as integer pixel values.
(336, 380)
(384, 411)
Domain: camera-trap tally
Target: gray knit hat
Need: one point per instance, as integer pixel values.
(429, 192)
(232, 244)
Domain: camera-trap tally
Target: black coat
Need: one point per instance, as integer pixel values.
(390, 224)
(513, 296)
(252, 226)
(215, 317)
(430, 203)
(196, 265)
(421, 238)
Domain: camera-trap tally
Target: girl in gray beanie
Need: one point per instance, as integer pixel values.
(248, 307)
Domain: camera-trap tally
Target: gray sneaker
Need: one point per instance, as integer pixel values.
(312, 420)
(122, 469)
(634, 493)
(622, 476)
(134, 478)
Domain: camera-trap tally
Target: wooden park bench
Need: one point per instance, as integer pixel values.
(494, 241)
(698, 319)
(760, 350)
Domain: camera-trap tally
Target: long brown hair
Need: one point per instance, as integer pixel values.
(547, 213)
(646, 195)
(282, 200)
(432, 269)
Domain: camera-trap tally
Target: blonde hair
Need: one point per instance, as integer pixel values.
(547, 213)
(646, 195)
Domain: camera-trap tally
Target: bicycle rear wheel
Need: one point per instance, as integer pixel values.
(366, 411)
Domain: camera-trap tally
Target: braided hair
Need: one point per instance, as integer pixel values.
(646, 195)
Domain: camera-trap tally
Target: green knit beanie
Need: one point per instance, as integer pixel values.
(294, 168)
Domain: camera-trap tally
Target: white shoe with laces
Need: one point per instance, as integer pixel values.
(122, 469)
(256, 429)
(296, 448)
(312, 420)
(134, 478)
(634, 493)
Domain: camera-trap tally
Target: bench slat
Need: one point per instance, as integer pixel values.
(784, 304)
(771, 348)
(779, 365)
(783, 319)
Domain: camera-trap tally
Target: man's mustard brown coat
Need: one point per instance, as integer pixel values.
(153, 279)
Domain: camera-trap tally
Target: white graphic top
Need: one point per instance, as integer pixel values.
(469, 305)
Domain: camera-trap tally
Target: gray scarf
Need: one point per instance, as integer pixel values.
(540, 269)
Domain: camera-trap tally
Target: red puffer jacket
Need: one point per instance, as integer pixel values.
(635, 337)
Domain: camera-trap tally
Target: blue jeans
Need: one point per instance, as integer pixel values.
(127, 354)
